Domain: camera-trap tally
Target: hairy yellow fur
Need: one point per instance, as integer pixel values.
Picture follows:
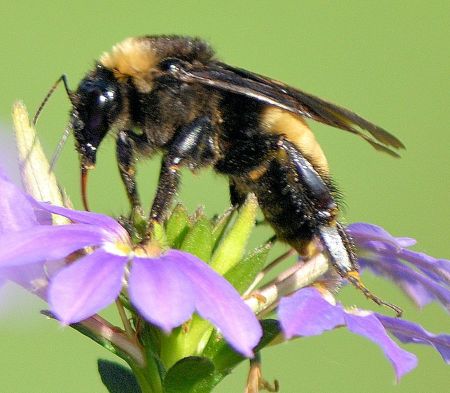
(296, 131)
(132, 58)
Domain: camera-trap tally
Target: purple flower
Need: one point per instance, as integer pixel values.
(34, 276)
(408, 332)
(308, 313)
(165, 288)
(423, 278)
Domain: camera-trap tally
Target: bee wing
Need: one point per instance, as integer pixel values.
(272, 92)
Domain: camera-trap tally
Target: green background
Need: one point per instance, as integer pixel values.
(387, 60)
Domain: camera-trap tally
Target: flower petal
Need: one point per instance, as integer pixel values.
(422, 277)
(370, 327)
(32, 277)
(436, 269)
(409, 332)
(160, 292)
(13, 218)
(307, 313)
(82, 217)
(86, 286)
(217, 301)
(419, 287)
(46, 243)
(363, 232)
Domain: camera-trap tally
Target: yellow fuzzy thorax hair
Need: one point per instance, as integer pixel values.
(132, 58)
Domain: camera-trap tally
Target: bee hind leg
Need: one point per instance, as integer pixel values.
(340, 250)
(237, 197)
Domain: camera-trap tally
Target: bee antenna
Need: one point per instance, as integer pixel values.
(62, 78)
(60, 146)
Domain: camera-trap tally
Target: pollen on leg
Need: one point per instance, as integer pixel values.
(355, 274)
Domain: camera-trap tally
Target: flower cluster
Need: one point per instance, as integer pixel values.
(309, 312)
(182, 310)
(165, 287)
(423, 278)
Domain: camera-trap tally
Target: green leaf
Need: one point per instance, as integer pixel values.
(198, 241)
(177, 226)
(242, 275)
(194, 374)
(117, 378)
(271, 329)
(225, 358)
(232, 248)
(221, 354)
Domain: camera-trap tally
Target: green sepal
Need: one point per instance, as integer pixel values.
(232, 247)
(140, 224)
(177, 226)
(198, 241)
(225, 358)
(242, 275)
(185, 340)
(221, 224)
(193, 374)
(158, 235)
(117, 378)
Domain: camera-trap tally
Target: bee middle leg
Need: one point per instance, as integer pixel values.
(193, 146)
(169, 180)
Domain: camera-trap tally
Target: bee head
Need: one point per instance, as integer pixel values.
(96, 105)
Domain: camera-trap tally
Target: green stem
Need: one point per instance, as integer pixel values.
(148, 378)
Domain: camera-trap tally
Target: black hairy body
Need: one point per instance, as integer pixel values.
(200, 113)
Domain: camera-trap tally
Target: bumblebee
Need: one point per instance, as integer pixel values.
(171, 94)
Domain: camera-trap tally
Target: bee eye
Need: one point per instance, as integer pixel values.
(98, 94)
(100, 99)
(103, 98)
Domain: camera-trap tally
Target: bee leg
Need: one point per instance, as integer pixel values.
(340, 249)
(192, 147)
(332, 235)
(237, 197)
(125, 148)
(169, 179)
